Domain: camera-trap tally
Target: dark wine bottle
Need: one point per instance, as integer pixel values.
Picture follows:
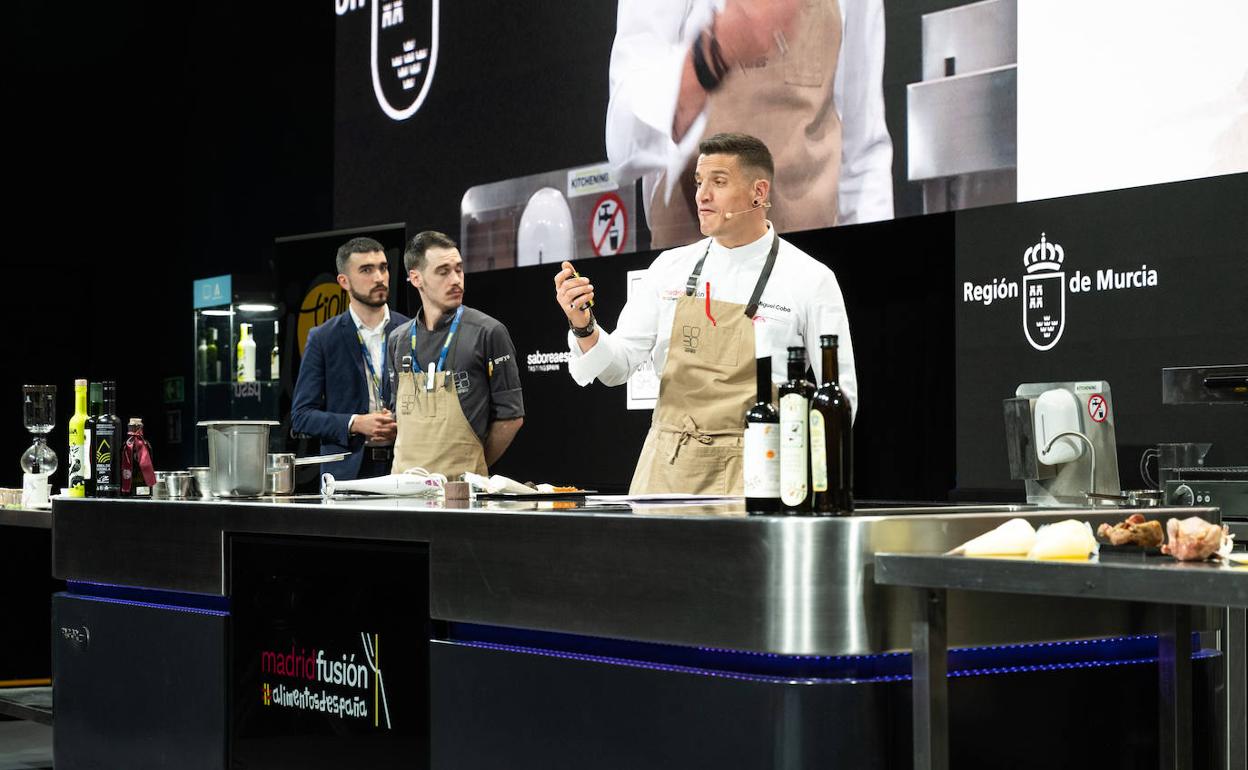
(831, 439)
(762, 447)
(106, 444)
(795, 393)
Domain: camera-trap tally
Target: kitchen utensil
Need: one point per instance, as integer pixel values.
(179, 485)
(237, 456)
(203, 481)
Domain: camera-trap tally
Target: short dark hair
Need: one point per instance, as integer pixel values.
(356, 246)
(414, 256)
(749, 149)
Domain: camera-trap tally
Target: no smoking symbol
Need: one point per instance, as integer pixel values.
(608, 225)
(1098, 410)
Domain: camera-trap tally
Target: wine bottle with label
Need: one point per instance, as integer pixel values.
(762, 447)
(831, 438)
(77, 441)
(795, 393)
(106, 443)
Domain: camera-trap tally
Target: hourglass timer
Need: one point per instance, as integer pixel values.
(39, 461)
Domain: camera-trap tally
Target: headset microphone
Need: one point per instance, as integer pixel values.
(731, 214)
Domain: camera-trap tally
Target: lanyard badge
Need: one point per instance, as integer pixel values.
(446, 346)
(374, 375)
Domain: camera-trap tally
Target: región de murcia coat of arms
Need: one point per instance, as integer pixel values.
(1044, 294)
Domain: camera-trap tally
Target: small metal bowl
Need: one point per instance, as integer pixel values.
(203, 480)
(161, 488)
(179, 484)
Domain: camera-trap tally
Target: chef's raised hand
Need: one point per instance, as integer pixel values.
(573, 295)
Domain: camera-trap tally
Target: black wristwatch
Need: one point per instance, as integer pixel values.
(586, 330)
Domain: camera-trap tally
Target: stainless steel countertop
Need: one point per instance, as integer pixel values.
(1143, 579)
(25, 517)
(703, 575)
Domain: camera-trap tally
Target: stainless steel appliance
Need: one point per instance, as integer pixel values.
(1061, 444)
(1225, 488)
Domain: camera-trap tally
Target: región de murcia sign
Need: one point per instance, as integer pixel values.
(1044, 288)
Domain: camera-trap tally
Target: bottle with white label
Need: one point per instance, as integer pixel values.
(275, 357)
(246, 354)
(762, 447)
(795, 393)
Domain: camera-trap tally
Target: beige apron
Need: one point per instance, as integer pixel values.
(696, 439)
(433, 432)
(786, 101)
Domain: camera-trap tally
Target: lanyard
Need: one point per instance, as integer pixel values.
(373, 375)
(755, 297)
(459, 313)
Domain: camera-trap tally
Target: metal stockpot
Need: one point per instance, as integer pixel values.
(237, 454)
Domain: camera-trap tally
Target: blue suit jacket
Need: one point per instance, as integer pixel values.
(332, 386)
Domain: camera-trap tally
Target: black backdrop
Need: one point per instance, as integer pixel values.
(150, 144)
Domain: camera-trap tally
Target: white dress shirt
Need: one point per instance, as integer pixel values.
(651, 40)
(802, 301)
(374, 341)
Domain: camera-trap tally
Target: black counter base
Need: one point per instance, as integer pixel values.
(138, 686)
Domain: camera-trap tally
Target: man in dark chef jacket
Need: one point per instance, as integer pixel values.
(461, 405)
(702, 314)
(342, 390)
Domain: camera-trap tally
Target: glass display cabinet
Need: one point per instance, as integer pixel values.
(239, 361)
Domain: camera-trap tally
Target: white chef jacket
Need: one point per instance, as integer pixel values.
(802, 301)
(652, 38)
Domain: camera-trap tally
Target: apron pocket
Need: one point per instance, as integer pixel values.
(719, 346)
(698, 469)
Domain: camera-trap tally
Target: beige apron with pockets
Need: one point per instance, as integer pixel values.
(786, 101)
(433, 433)
(696, 439)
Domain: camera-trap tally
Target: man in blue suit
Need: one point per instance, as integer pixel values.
(343, 389)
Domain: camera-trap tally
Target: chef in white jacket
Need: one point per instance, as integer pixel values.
(802, 75)
(703, 314)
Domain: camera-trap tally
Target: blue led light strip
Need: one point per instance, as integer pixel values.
(203, 604)
(809, 669)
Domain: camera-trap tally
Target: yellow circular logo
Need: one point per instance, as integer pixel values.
(322, 302)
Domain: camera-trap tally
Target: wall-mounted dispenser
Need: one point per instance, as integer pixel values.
(1060, 441)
